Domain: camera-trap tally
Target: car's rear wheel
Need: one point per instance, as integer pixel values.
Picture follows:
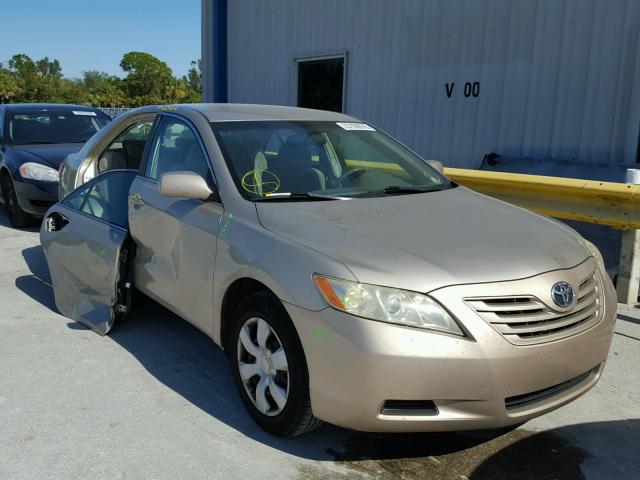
(17, 217)
(269, 367)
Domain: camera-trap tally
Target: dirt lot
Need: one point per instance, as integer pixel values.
(155, 400)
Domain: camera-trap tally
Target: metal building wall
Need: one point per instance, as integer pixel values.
(206, 50)
(557, 78)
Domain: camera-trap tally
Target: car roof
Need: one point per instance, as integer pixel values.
(16, 107)
(224, 112)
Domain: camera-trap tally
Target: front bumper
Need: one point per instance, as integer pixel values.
(355, 365)
(37, 197)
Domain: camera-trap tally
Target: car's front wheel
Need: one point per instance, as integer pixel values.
(17, 217)
(269, 367)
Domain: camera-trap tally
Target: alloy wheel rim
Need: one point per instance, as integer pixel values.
(263, 366)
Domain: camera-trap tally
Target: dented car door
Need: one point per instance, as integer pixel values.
(86, 242)
(176, 238)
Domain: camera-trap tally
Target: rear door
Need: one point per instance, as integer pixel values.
(86, 243)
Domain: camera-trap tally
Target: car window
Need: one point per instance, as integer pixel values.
(74, 199)
(176, 148)
(359, 153)
(107, 198)
(1, 127)
(125, 152)
(28, 127)
(329, 158)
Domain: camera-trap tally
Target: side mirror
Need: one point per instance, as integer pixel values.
(437, 165)
(184, 185)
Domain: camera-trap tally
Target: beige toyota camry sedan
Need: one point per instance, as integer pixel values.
(347, 279)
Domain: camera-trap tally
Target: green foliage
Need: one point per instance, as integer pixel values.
(148, 81)
(9, 86)
(193, 79)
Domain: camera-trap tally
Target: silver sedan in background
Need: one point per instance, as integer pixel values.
(348, 280)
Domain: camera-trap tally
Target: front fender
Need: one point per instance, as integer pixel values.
(9, 165)
(247, 250)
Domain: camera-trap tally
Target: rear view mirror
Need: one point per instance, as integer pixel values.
(437, 165)
(184, 185)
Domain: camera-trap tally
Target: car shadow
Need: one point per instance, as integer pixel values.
(38, 284)
(184, 359)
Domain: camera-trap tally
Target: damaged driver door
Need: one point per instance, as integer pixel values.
(86, 242)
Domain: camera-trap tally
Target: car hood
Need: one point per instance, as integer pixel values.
(426, 241)
(51, 155)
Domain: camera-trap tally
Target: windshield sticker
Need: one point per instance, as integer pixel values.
(260, 182)
(84, 112)
(355, 126)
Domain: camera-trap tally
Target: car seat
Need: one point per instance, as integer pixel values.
(133, 149)
(294, 167)
(112, 160)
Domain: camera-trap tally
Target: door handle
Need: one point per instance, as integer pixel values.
(137, 199)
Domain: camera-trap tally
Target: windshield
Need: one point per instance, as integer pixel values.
(54, 126)
(281, 159)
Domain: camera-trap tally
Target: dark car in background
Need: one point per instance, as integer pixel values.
(34, 139)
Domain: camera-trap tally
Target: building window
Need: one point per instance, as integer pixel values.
(321, 83)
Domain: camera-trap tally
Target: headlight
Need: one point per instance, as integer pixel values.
(596, 253)
(36, 171)
(386, 304)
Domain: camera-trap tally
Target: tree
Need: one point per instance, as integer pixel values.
(148, 78)
(103, 89)
(22, 65)
(193, 78)
(40, 81)
(193, 83)
(9, 86)
(48, 68)
(148, 81)
(24, 69)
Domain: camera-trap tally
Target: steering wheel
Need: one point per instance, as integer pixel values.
(355, 173)
(88, 133)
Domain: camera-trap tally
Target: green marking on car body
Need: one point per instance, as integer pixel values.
(100, 251)
(224, 229)
(323, 333)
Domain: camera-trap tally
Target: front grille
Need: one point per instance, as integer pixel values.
(525, 320)
(528, 399)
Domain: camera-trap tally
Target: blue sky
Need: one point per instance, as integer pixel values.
(94, 34)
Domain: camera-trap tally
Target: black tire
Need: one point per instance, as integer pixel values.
(296, 417)
(17, 217)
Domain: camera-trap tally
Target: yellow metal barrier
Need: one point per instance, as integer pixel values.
(606, 203)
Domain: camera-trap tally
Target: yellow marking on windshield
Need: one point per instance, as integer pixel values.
(375, 165)
(260, 182)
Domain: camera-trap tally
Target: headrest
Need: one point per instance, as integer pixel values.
(296, 152)
(133, 149)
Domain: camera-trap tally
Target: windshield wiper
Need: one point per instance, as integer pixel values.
(292, 197)
(408, 189)
(36, 142)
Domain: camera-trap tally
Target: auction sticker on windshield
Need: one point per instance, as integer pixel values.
(355, 126)
(81, 112)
